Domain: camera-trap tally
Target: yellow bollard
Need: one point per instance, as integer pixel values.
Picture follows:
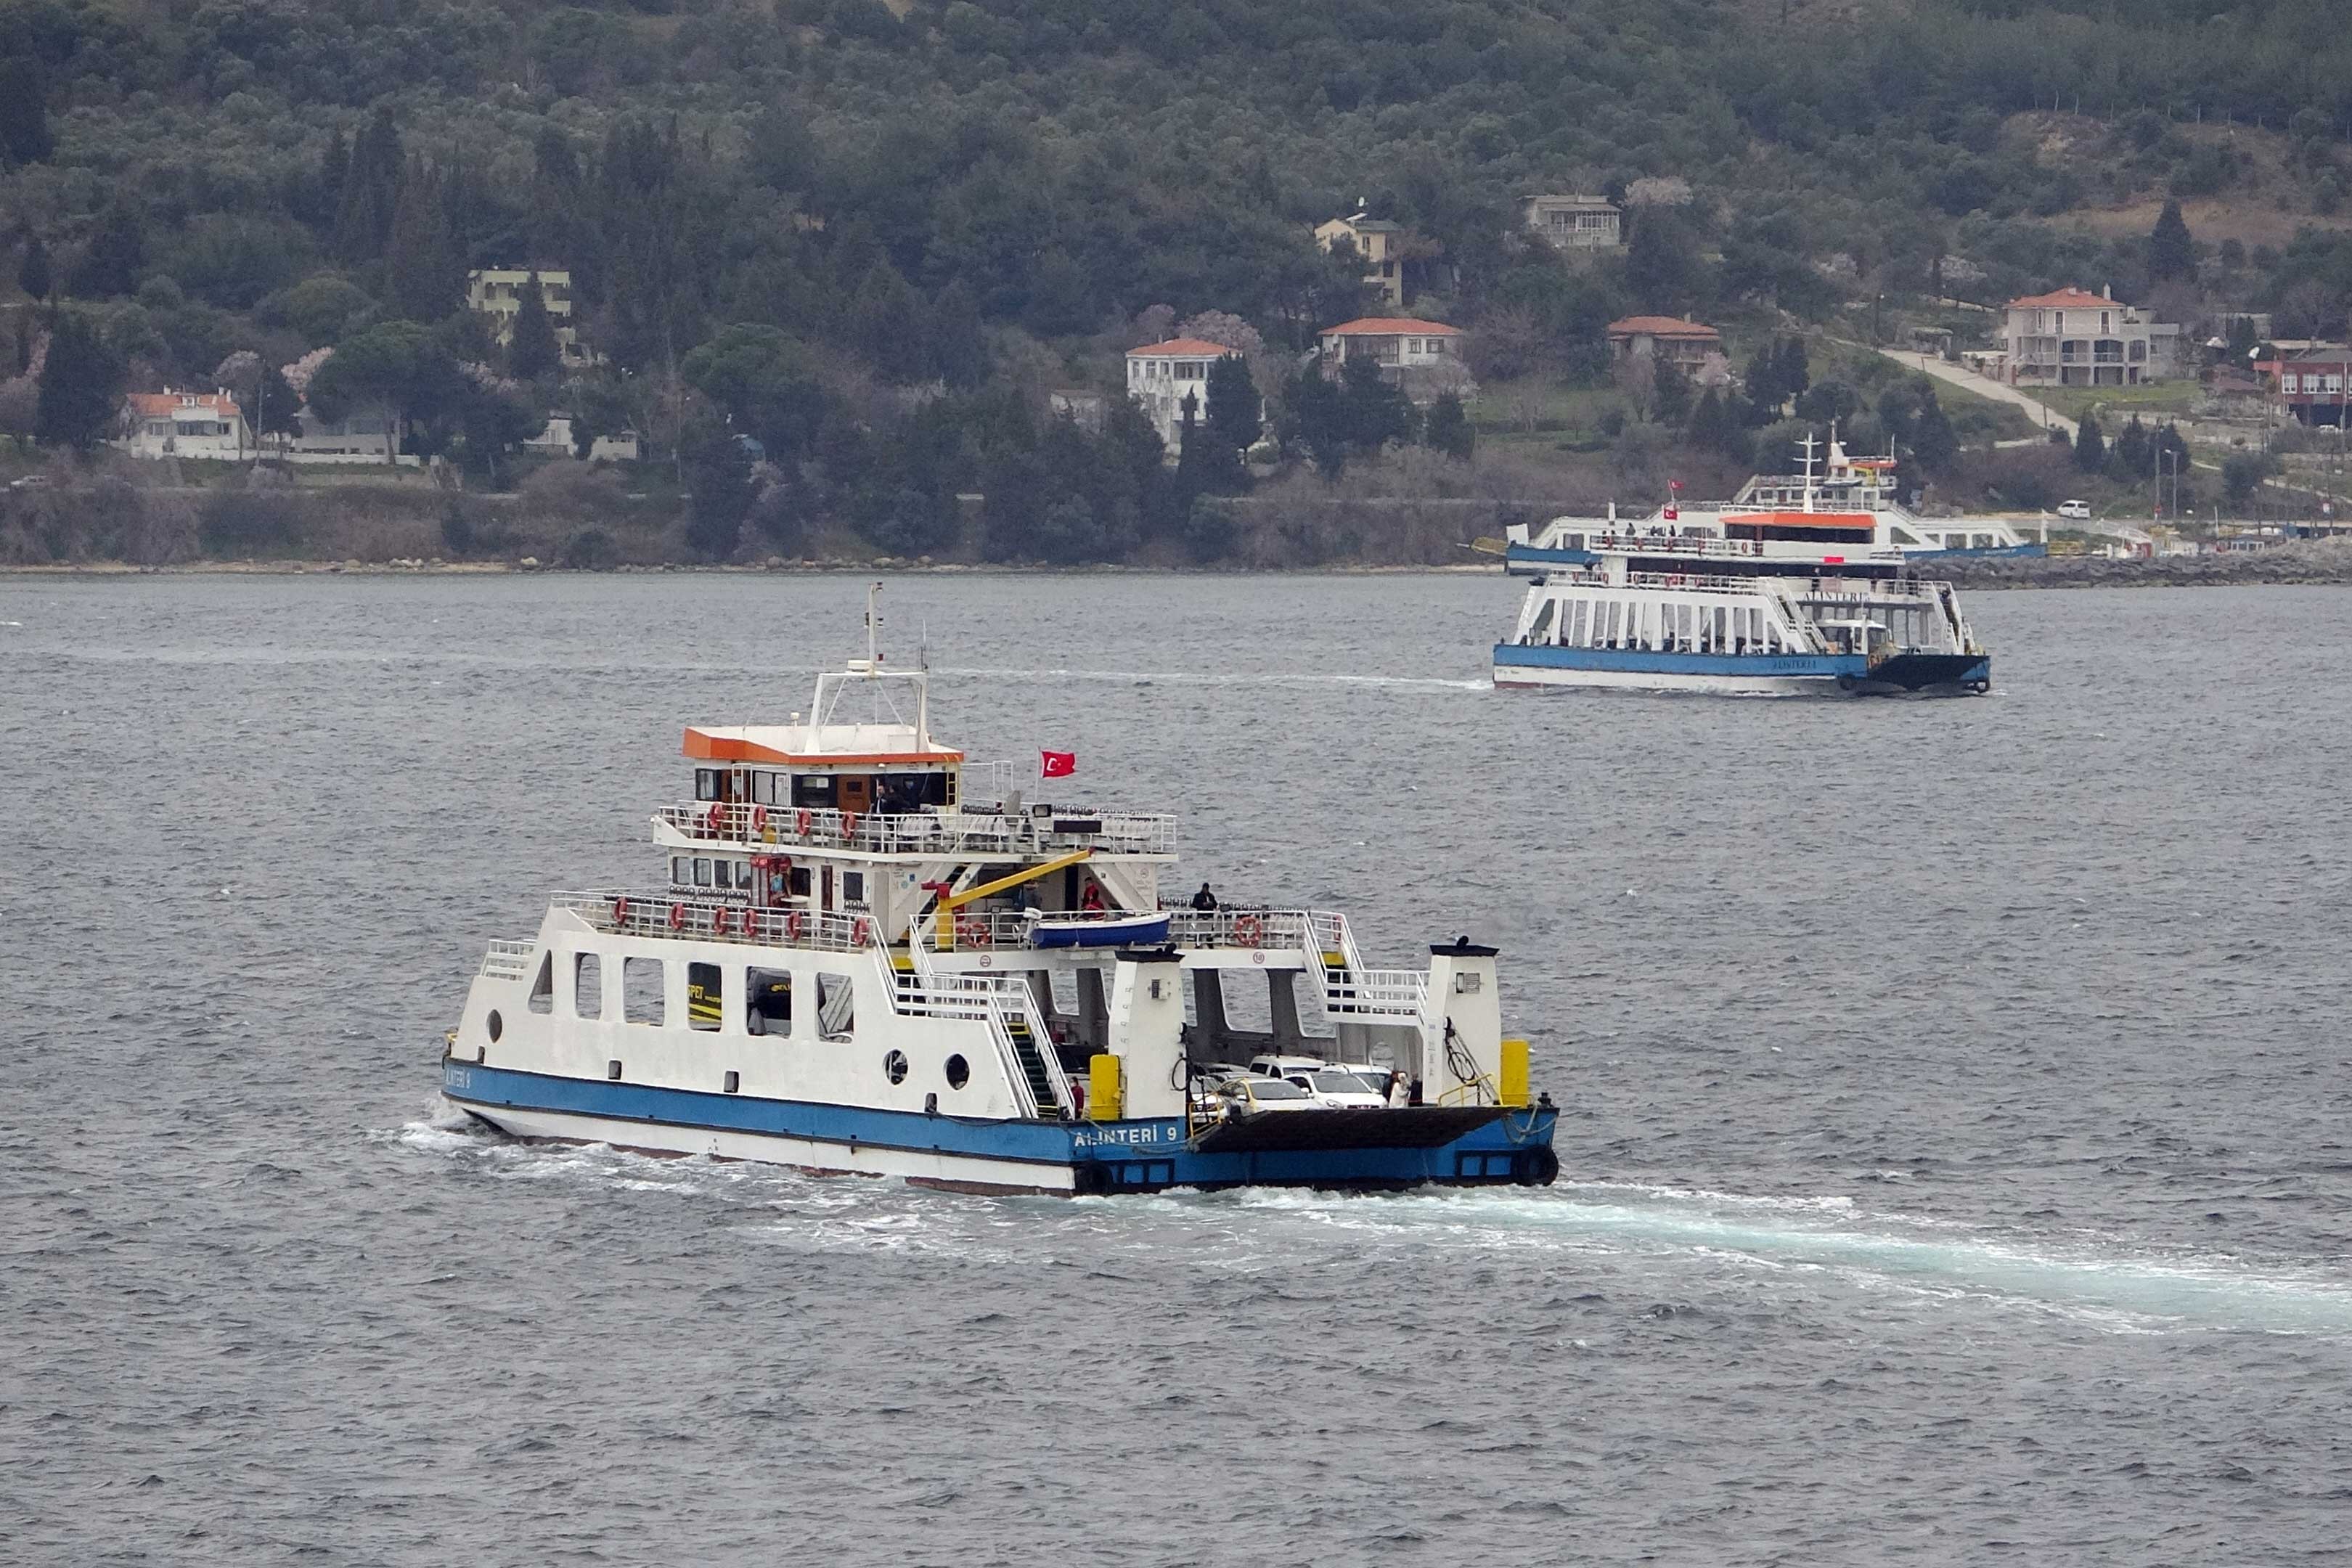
(1514, 1088)
(1105, 1095)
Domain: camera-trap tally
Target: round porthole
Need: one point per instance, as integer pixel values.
(498, 1026)
(895, 1064)
(958, 1072)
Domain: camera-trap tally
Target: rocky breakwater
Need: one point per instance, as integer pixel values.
(2314, 562)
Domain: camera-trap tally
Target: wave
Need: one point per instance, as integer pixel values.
(1225, 678)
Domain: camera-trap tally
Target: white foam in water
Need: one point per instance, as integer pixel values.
(2118, 1291)
(1193, 677)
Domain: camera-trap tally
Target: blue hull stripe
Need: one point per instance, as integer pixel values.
(1148, 1151)
(1638, 661)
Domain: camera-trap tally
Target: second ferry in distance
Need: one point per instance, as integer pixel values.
(1773, 595)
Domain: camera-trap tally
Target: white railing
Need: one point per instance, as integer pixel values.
(1393, 994)
(922, 832)
(1887, 589)
(634, 912)
(998, 998)
(507, 960)
(1012, 928)
(1624, 540)
(1227, 926)
(1696, 582)
(990, 783)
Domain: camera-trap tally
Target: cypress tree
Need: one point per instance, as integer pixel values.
(1934, 445)
(370, 186)
(2090, 445)
(421, 280)
(24, 135)
(2171, 252)
(1233, 407)
(33, 273)
(81, 386)
(1792, 374)
(533, 351)
(1449, 429)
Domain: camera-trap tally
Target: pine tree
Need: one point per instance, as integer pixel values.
(32, 272)
(116, 255)
(1934, 445)
(2129, 454)
(533, 352)
(81, 386)
(1711, 424)
(2090, 445)
(2171, 252)
(1672, 391)
(24, 135)
(1449, 429)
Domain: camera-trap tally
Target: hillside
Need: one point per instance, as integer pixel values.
(876, 237)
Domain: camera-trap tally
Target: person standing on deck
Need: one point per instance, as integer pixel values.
(1204, 900)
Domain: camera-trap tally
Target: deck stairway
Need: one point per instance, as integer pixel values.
(1033, 1067)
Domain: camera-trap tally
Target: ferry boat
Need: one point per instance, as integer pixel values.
(872, 956)
(1763, 596)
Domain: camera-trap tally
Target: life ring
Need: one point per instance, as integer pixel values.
(758, 819)
(974, 930)
(859, 932)
(712, 823)
(621, 909)
(848, 826)
(793, 926)
(678, 917)
(804, 821)
(719, 921)
(751, 924)
(1249, 930)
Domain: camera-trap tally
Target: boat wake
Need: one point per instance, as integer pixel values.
(1251, 677)
(1828, 1236)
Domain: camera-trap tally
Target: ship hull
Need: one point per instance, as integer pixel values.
(1742, 675)
(1334, 1150)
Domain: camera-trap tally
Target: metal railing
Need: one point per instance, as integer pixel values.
(922, 832)
(1002, 1000)
(507, 960)
(661, 914)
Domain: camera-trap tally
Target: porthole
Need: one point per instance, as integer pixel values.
(895, 1065)
(958, 1072)
(498, 1026)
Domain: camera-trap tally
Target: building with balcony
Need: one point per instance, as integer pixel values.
(1422, 359)
(1575, 222)
(2075, 338)
(1376, 241)
(1688, 345)
(1160, 376)
(497, 292)
(169, 423)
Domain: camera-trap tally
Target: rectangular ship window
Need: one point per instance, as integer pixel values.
(836, 1000)
(853, 887)
(587, 986)
(722, 873)
(702, 997)
(768, 1002)
(681, 870)
(702, 871)
(641, 990)
(706, 783)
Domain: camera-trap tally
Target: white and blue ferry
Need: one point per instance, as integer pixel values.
(1774, 593)
(872, 956)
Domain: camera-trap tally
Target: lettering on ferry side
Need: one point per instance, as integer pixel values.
(1101, 1137)
(457, 1078)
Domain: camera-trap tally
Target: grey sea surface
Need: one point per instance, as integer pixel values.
(1956, 1158)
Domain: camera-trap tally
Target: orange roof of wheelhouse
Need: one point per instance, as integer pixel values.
(775, 744)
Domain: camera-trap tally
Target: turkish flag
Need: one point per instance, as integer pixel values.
(1056, 764)
(1674, 514)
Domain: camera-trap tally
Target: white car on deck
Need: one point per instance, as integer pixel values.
(1251, 1095)
(1335, 1084)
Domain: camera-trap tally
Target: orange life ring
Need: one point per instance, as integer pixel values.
(848, 826)
(719, 921)
(751, 924)
(806, 820)
(758, 819)
(621, 909)
(678, 917)
(711, 823)
(793, 926)
(1250, 930)
(974, 930)
(859, 932)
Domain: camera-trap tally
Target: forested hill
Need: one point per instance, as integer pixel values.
(984, 194)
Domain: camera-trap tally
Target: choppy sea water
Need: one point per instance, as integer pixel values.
(1956, 1155)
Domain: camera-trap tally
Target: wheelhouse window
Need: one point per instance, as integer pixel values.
(813, 790)
(708, 783)
(681, 870)
(702, 871)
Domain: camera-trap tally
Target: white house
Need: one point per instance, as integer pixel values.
(1160, 376)
(497, 292)
(1421, 358)
(555, 441)
(169, 423)
(1575, 222)
(362, 436)
(2075, 338)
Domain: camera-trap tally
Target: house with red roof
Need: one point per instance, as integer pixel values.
(170, 424)
(1160, 376)
(1691, 346)
(2072, 337)
(1421, 358)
